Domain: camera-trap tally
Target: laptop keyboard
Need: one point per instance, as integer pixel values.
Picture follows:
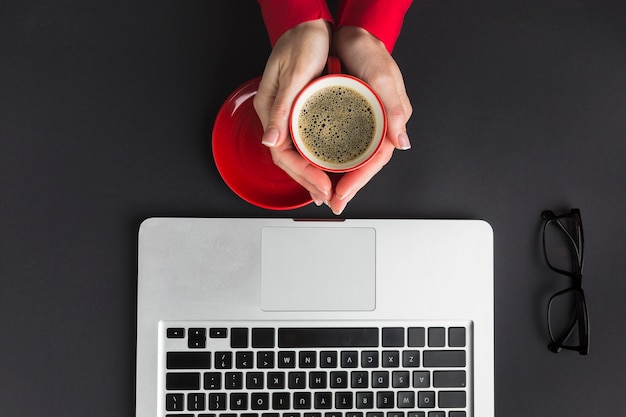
(315, 369)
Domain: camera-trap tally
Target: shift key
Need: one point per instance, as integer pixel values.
(444, 358)
(182, 381)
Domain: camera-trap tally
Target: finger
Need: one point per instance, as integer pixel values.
(398, 109)
(316, 181)
(353, 181)
(277, 129)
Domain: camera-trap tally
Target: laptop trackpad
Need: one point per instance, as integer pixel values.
(318, 269)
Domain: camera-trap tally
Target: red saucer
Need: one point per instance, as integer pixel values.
(244, 162)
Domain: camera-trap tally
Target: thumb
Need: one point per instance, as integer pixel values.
(277, 127)
(397, 116)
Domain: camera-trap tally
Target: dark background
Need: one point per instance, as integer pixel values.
(106, 111)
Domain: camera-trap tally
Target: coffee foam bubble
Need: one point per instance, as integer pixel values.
(336, 124)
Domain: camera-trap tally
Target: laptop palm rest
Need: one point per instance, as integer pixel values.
(318, 269)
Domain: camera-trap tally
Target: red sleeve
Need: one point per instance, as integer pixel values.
(381, 18)
(281, 15)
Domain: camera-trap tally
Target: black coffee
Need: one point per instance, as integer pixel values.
(336, 124)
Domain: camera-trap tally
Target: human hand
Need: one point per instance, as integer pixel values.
(366, 57)
(298, 57)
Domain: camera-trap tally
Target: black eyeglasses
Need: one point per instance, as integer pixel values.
(563, 243)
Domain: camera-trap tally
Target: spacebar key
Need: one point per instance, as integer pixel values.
(444, 358)
(313, 337)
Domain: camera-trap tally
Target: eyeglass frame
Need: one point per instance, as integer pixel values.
(580, 316)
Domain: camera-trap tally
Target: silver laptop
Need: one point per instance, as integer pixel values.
(292, 318)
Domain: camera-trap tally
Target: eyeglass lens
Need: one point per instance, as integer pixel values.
(566, 322)
(562, 244)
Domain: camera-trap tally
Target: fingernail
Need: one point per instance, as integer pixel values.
(342, 196)
(323, 192)
(338, 212)
(270, 137)
(403, 141)
(318, 201)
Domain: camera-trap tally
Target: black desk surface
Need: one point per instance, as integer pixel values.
(106, 111)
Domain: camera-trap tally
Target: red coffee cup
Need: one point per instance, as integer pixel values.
(337, 121)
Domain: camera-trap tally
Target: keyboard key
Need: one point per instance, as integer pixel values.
(369, 359)
(380, 379)
(280, 401)
(410, 358)
(223, 360)
(263, 338)
(417, 337)
(393, 337)
(175, 333)
(265, 359)
(212, 381)
(364, 400)
(406, 399)
(322, 400)
(254, 380)
(343, 400)
(318, 380)
(301, 400)
(197, 333)
(436, 337)
(233, 380)
(328, 359)
(385, 399)
(287, 359)
(296, 380)
(391, 359)
(395, 413)
(444, 358)
(421, 379)
(276, 380)
(339, 379)
(456, 337)
(400, 379)
(243, 360)
(239, 337)
(188, 360)
(260, 401)
(447, 379)
(327, 337)
(196, 343)
(417, 414)
(217, 401)
(349, 359)
(359, 379)
(239, 401)
(426, 399)
(307, 359)
(174, 402)
(452, 399)
(218, 333)
(182, 381)
(196, 402)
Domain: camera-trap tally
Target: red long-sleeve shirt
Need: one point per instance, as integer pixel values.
(381, 18)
